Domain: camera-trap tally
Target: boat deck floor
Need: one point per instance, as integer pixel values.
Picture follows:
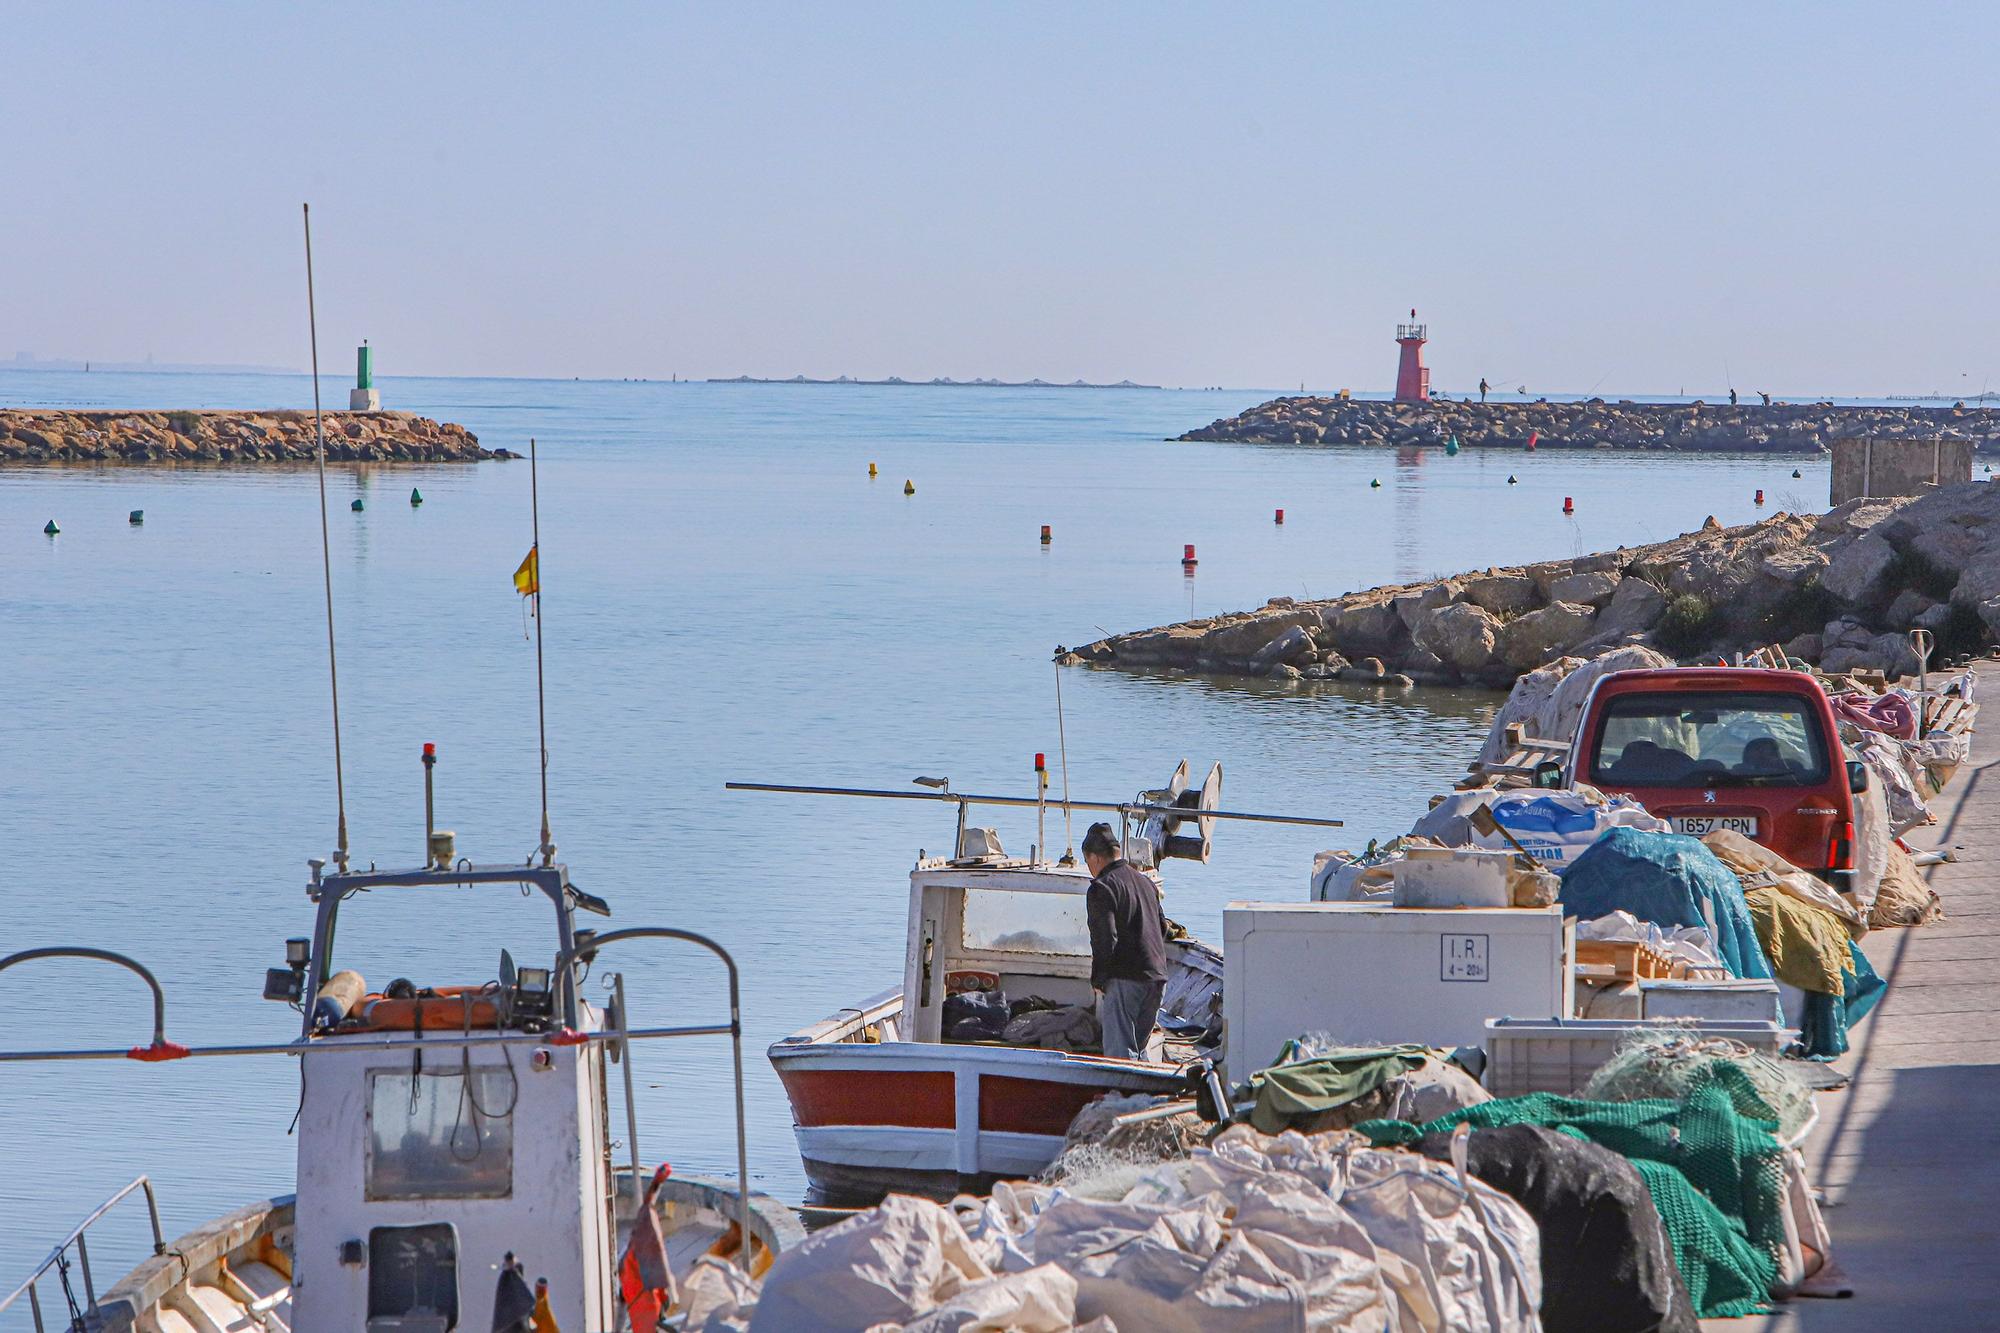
(1908, 1154)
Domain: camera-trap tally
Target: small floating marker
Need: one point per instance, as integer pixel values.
(1279, 517)
(1187, 556)
(871, 469)
(1047, 537)
(1375, 484)
(52, 528)
(1797, 474)
(1533, 436)
(909, 487)
(1569, 505)
(1510, 479)
(357, 506)
(1759, 499)
(136, 517)
(416, 497)
(1451, 447)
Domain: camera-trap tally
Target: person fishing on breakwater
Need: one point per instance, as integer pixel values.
(1128, 946)
(1482, 388)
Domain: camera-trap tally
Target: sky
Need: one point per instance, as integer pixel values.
(1575, 198)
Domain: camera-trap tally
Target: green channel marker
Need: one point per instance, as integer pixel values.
(357, 506)
(416, 497)
(136, 517)
(52, 528)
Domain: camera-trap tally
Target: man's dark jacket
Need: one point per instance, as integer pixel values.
(1127, 940)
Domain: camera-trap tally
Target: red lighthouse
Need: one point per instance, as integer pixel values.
(1413, 382)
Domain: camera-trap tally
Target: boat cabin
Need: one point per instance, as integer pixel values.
(438, 1136)
(987, 925)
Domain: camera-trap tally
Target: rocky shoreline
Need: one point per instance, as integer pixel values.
(29, 435)
(1781, 428)
(1840, 590)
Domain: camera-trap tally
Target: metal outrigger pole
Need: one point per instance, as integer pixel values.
(1125, 810)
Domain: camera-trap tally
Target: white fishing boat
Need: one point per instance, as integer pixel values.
(900, 1093)
(446, 1135)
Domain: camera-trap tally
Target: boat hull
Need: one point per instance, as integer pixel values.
(936, 1119)
(236, 1272)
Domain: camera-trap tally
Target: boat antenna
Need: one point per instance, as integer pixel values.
(325, 549)
(548, 847)
(1062, 753)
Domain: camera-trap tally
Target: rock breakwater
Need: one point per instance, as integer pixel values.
(1840, 590)
(34, 436)
(1782, 428)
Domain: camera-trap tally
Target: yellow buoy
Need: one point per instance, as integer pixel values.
(909, 488)
(871, 469)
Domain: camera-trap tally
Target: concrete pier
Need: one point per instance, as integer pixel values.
(1908, 1155)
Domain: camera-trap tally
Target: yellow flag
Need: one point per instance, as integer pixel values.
(528, 578)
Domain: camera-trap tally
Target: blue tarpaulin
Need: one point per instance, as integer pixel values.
(1667, 878)
(1823, 1027)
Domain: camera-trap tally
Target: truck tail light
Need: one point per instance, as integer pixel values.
(1840, 851)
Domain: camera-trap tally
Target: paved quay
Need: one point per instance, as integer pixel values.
(1908, 1154)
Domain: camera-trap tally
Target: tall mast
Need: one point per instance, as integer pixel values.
(326, 553)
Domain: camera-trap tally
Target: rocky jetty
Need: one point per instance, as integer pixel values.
(34, 436)
(1840, 590)
(1782, 428)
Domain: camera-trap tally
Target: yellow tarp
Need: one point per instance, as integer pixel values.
(1807, 945)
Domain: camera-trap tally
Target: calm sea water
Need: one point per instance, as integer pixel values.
(728, 596)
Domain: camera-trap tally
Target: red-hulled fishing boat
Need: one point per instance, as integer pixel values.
(972, 1069)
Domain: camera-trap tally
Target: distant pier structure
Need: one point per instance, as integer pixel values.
(1413, 380)
(364, 397)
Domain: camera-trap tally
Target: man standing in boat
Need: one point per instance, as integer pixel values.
(1128, 946)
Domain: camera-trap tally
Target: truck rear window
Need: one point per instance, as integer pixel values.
(1709, 740)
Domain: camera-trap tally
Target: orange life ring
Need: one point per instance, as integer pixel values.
(439, 1011)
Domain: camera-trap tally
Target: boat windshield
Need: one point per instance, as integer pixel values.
(1709, 740)
(1024, 921)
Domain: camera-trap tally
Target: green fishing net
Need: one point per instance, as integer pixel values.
(1716, 1175)
(1667, 1061)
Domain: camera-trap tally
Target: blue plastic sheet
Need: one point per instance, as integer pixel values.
(1542, 814)
(1665, 878)
(1824, 1025)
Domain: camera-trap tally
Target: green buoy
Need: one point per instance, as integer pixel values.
(52, 527)
(357, 506)
(1451, 447)
(1797, 473)
(136, 517)
(1375, 485)
(1510, 479)
(416, 497)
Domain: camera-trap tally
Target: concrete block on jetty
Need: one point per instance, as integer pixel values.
(1781, 428)
(1840, 590)
(30, 435)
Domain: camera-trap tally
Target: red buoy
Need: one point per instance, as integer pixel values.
(1045, 534)
(1760, 497)
(1533, 435)
(1569, 505)
(1280, 518)
(1187, 554)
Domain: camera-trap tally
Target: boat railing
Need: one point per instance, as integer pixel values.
(59, 1260)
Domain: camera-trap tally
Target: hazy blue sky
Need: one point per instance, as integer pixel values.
(1622, 197)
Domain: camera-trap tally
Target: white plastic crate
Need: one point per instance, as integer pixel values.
(1559, 1055)
(1744, 999)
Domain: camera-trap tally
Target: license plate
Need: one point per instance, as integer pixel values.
(1700, 826)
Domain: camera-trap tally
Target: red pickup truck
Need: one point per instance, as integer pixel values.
(1710, 748)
